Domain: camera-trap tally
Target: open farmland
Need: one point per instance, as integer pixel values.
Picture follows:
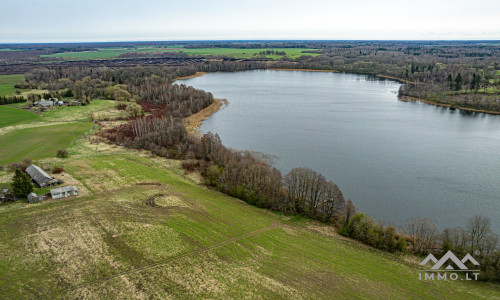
(104, 53)
(11, 115)
(142, 228)
(38, 142)
(7, 83)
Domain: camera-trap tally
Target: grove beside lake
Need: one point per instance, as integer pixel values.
(394, 159)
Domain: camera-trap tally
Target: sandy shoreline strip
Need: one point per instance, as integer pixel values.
(396, 79)
(411, 98)
(197, 74)
(303, 70)
(193, 122)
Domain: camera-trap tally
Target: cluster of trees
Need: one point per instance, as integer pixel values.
(246, 176)
(11, 99)
(363, 228)
(178, 101)
(272, 52)
(476, 239)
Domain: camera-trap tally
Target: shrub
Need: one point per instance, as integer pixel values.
(57, 170)
(191, 164)
(401, 244)
(213, 174)
(62, 153)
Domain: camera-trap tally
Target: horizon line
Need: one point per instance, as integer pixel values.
(256, 40)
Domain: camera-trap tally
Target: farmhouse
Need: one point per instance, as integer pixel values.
(40, 177)
(65, 191)
(44, 103)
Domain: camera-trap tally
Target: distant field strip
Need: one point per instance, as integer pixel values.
(105, 53)
(36, 143)
(7, 83)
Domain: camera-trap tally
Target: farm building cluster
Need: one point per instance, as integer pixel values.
(42, 179)
(44, 105)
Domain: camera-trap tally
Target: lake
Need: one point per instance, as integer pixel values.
(394, 159)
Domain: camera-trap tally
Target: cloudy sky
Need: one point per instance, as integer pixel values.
(132, 20)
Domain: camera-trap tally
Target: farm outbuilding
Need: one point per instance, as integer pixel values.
(65, 191)
(33, 197)
(40, 177)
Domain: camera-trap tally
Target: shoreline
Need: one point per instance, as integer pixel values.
(193, 122)
(303, 70)
(396, 79)
(407, 98)
(197, 74)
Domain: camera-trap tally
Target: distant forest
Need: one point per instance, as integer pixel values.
(462, 74)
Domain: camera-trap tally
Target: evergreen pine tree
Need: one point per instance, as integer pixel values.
(21, 184)
(458, 80)
(450, 81)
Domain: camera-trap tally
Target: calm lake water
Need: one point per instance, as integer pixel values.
(394, 159)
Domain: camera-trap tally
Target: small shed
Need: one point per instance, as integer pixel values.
(33, 197)
(63, 192)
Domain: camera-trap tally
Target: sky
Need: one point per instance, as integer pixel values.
(25, 21)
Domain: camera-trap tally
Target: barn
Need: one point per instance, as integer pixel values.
(40, 177)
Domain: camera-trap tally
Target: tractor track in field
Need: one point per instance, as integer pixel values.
(171, 259)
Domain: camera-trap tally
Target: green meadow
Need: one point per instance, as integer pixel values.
(11, 115)
(7, 83)
(105, 53)
(24, 134)
(38, 142)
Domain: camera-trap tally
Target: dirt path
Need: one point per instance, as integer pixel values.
(172, 259)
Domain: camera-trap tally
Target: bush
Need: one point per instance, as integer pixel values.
(213, 174)
(57, 170)
(190, 165)
(401, 244)
(62, 153)
(20, 165)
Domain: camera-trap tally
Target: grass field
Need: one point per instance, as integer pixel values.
(7, 83)
(38, 142)
(26, 135)
(80, 113)
(10, 116)
(143, 229)
(234, 52)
